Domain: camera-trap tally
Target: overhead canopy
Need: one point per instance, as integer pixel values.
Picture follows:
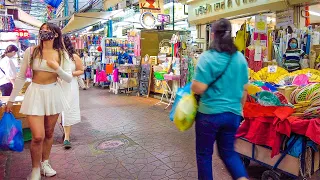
(25, 17)
(79, 21)
(21, 25)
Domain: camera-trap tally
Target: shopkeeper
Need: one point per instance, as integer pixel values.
(8, 70)
(124, 57)
(293, 55)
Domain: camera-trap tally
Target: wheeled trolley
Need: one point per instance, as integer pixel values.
(283, 165)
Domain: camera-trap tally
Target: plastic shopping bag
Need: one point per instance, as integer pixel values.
(11, 136)
(181, 91)
(185, 112)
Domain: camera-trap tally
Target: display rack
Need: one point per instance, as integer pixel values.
(128, 78)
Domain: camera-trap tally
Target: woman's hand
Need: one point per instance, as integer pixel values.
(9, 106)
(53, 64)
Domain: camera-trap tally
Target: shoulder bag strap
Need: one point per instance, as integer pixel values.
(222, 73)
(2, 71)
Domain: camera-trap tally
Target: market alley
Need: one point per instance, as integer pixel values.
(120, 137)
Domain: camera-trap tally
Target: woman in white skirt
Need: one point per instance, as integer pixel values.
(71, 116)
(44, 99)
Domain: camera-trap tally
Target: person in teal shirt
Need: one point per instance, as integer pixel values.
(220, 80)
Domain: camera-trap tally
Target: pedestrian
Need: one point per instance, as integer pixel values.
(8, 70)
(71, 116)
(87, 61)
(220, 80)
(44, 99)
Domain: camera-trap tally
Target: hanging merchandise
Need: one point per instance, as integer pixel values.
(53, 3)
(6, 23)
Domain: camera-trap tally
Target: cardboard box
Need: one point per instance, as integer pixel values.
(289, 163)
(287, 90)
(16, 112)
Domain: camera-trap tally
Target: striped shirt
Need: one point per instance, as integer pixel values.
(292, 59)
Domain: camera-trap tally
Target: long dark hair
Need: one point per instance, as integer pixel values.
(69, 47)
(57, 43)
(291, 41)
(9, 49)
(222, 41)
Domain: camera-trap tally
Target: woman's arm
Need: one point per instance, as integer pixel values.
(245, 95)
(21, 78)
(198, 87)
(63, 71)
(79, 66)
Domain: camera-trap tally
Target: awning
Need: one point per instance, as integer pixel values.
(57, 20)
(30, 29)
(79, 21)
(25, 17)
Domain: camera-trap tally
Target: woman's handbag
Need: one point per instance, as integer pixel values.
(81, 82)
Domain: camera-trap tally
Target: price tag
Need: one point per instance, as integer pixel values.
(257, 53)
(272, 69)
(309, 74)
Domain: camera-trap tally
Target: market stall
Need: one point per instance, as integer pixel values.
(282, 123)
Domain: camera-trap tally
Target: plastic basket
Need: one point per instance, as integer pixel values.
(159, 75)
(27, 136)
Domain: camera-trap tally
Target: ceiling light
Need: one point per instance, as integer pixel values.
(314, 13)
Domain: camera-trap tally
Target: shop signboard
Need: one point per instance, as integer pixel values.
(261, 24)
(153, 6)
(285, 18)
(210, 10)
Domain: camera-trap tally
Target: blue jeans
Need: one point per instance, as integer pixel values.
(221, 127)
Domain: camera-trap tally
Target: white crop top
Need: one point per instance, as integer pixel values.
(41, 65)
(64, 71)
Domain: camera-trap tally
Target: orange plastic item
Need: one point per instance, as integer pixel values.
(109, 69)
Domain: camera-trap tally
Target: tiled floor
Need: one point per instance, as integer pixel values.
(149, 146)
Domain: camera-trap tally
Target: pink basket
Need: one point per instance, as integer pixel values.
(172, 77)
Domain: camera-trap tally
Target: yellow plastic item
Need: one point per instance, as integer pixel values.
(252, 89)
(185, 112)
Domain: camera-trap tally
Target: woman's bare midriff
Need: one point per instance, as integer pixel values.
(42, 77)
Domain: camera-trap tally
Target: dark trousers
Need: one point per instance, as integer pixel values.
(221, 128)
(6, 89)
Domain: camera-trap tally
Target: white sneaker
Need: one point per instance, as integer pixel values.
(47, 170)
(34, 176)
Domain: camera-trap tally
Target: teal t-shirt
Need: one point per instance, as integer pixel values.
(226, 94)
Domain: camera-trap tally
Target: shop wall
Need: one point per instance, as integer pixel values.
(150, 41)
(203, 12)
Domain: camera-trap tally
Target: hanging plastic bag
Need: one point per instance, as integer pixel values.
(186, 111)
(11, 136)
(181, 91)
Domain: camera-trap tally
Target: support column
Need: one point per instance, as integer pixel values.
(66, 10)
(76, 5)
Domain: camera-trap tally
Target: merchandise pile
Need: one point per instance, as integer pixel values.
(300, 90)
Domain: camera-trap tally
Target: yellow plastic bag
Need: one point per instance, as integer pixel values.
(185, 112)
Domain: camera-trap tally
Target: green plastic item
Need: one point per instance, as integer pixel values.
(27, 136)
(258, 83)
(267, 98)
(159, 75)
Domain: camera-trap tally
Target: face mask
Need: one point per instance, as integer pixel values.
(293, 45)
(46, 35)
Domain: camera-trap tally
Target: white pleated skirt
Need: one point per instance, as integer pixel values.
(44, 100)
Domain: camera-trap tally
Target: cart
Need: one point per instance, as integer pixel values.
(283, 165)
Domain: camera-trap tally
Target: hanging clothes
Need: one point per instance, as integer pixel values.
(253, 63)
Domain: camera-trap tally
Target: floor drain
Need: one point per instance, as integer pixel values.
(112, 144)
